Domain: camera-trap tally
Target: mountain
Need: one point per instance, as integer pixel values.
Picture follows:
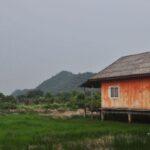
(20, 92)
(62, 82)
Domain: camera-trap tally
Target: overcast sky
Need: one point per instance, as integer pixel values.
(39, 38)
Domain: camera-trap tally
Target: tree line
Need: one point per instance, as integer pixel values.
(73, 100)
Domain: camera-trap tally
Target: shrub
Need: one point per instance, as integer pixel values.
(7, 105)
(72, 105)
(52, 106)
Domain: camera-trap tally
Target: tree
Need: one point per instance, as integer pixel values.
(35, 94)
(10, 99)
(81, 101)
(2, 96)
(7, 102)
(63, 96)
(49, 97)
(94, 102)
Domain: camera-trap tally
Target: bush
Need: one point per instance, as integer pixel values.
(72, 105)
(7, 105)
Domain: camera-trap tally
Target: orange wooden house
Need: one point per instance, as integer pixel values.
(125, 85)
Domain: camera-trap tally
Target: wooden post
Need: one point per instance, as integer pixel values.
(102, 115)
(92, 114)
(85, 112)
(129, 118)
(92, 103)
(84, 104)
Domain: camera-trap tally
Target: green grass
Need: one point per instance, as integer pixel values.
(30, 131)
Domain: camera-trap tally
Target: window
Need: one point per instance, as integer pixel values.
(114, 92)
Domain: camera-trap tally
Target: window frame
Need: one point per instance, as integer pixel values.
(110, 92)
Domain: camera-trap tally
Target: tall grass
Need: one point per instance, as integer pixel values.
(30, 131)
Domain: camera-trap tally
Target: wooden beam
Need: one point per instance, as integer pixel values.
(129, 118)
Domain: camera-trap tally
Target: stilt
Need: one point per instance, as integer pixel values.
(91, 114)
(92, 102)
(102, 115)
(129, 118)
(85, 112)
(84, 102)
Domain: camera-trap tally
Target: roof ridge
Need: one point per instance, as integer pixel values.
(135, 54)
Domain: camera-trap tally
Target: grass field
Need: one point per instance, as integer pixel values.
(30, 131)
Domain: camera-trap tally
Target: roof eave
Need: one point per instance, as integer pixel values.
(96, 83)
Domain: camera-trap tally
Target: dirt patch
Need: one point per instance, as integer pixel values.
(55, 113)
(63, 113)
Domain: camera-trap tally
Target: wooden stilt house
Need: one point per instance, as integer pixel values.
(124, 85)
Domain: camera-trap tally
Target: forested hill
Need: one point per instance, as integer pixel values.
(62, 82)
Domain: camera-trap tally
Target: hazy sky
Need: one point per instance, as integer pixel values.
(39, 38)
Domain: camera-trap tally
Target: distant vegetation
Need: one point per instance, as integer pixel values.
(62, 91)
(64, 100)
(62, 82)
(7, 102)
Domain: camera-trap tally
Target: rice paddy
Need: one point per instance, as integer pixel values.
(34, 132)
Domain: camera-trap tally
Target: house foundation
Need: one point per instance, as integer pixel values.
(128, 112)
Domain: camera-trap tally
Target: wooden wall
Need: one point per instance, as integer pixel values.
(134, 93)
